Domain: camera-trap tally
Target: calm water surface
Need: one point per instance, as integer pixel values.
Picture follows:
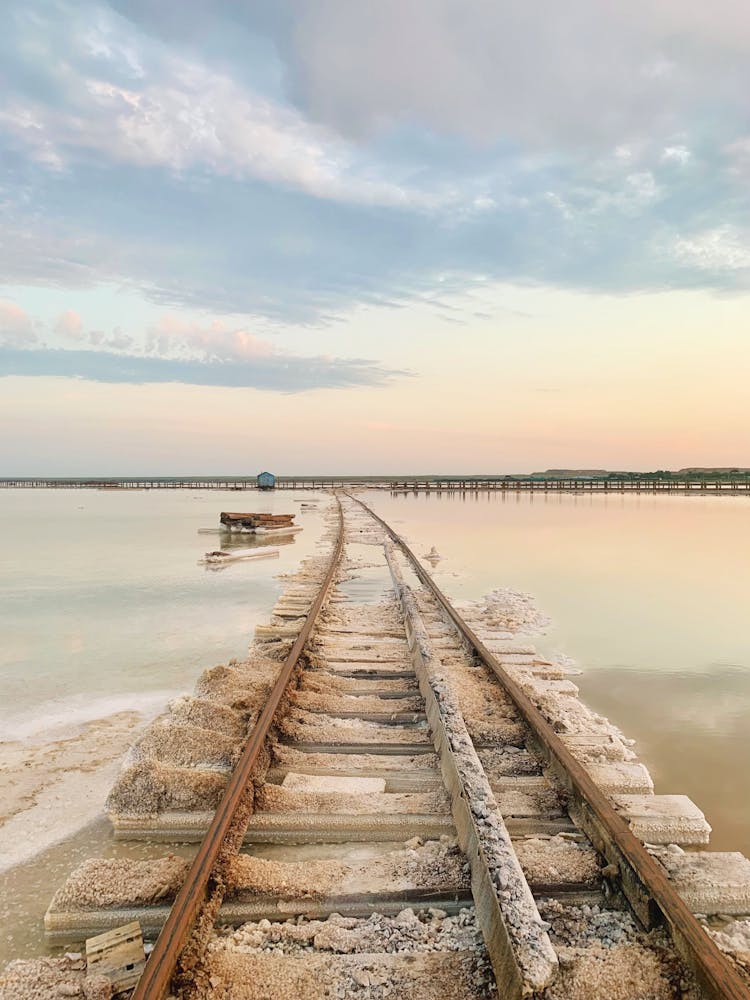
(651, 597)
(101, 594)
(103, 606)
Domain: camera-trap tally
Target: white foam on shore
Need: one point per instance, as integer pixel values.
(58, 718)
(512, 610)
(59, 764)
(68, 804)
(565, 662)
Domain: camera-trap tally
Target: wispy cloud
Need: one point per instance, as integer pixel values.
(186, 116)
(278, 373)
(70, 324)
(213, 341)
(295, 162)
(724, 250)
(551, 76)
(174, 348)
(16, 327)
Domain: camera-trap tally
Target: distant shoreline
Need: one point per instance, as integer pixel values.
(713, 482)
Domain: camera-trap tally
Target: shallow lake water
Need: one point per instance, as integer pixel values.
(649, 595)
(103, 606)
(102, 594)
(104, 609)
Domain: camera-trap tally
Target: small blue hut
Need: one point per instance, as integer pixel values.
(266, 481)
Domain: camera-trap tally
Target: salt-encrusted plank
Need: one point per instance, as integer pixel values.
(278, 631)
(558, 861)
(300, 726)
(596, 746)
(395, 781)
(664, 819)
(430, 976)
(368, 759)
(708, 881)
(535, 684)
(287, 828)
(343, 784)
(279, 799)
(628, 777)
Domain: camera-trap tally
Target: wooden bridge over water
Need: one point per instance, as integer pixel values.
(739, 485)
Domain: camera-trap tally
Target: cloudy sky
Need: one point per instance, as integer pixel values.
(318, 235)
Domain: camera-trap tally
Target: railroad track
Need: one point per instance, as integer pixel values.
(423, 808)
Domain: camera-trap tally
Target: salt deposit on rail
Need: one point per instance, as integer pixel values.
(402, 838)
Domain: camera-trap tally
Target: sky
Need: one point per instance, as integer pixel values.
(319, 236)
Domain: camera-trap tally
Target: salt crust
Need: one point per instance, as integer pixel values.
(147, 788)
(286, 756)
(734, 941)
(507, 610)
(113, 882)
(708, 881)
(206, 731)
(185, 746)
(383, 660)
(241, 685)
(383, 616)
(489, 718)
(301, 726)
(558, 860)
(325, 683)
(507, 761)
(50, 789)
(529, 802)
(275, 798)
(624, 972)
(408, 932)
(110, 883)
(207, 714)
(334, 642)
(434, 865)
(293, 781)
(48, 978)
(318, 701)
(458, 975)
(603, 954)
(569, 717)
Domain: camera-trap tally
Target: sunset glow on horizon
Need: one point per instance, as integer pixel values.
(325, 242)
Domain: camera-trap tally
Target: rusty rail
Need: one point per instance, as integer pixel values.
(642, 879)
(162, 964)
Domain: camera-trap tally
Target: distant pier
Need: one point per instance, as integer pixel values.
(728, 485)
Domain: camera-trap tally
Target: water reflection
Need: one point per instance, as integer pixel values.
(104, 611)
(648, 593)
(692, 728)
(242, 547)
(239, 540)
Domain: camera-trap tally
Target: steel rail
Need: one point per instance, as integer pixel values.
(642, 879)
(161, 966)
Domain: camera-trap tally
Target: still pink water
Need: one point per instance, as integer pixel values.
(649, 595)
